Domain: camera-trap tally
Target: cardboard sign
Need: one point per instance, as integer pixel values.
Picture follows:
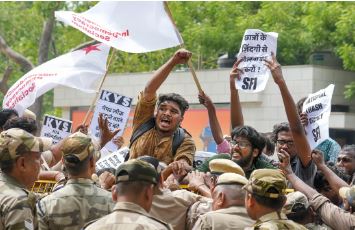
(115, 108)
(113, 160)
(55, 128)
(255, 48)
(318, 106)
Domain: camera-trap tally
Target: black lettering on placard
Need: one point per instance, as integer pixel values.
(249, 83)
(316, 134)
(116, 98)
(57, 124)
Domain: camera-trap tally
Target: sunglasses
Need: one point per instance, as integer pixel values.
(344, 159)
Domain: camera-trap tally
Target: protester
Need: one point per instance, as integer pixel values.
(133, 194)
(6, 114)
(80, 200)
(264, 199)
(346, 161)
(20, 161)
(329, 147)
(331, 215)
(158, 140)
(228, 205)
(290, 137)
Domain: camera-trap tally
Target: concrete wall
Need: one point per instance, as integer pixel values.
(261, 110)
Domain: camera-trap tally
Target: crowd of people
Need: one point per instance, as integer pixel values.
(255, 181)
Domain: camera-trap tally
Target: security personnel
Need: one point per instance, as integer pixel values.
(80, 200)
(133, 194)
(265, 197)
(20, 162)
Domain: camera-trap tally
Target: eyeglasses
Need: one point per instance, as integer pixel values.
(344, 159)
(240, 144)
(284, 142)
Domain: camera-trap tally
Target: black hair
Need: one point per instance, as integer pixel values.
(349, 149)
(270, 145)
(299, 104)
(25, 123)
(131, 187)
(248, 132)
(6, 166)
(177, 98)
(283, 126)
(5, 114)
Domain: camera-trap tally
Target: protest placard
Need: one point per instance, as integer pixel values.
(254, 49)
(200, 157)
(55, 128)
(113, 160)
(115, 108)
(318, 106)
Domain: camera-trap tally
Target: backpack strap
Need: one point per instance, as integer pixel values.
(141, 130)
(178, 138)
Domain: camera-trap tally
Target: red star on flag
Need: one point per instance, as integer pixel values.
(90, 48)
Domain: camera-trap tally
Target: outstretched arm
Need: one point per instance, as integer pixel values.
(299, 137)
(180, 57)
(335, 182)
(236, 109)
(212, 116)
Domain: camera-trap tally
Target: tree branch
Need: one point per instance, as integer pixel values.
(25, 64)
(3, 83)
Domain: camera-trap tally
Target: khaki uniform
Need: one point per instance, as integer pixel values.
(151, 144)
(332, 215)
(274, 221)
(228, 218)
(199, 208)
(128, 216)
(17, 205)
(172, 207)
(78, 202)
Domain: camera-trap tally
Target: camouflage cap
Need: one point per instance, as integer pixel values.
(348, 193)
(269, 183)
(231, 178)
(77, 145)
(136, 170)
(219, 166)
(296, 201)
(15, 141)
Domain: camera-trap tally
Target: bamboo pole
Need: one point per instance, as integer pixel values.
(99, 88)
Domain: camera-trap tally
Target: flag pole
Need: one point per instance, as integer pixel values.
(189, 63)
(99, 88)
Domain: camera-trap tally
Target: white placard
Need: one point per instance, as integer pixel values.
(113, 160)
(318, 106)
(55, 128)
(255, 48)
(201, 156)
(116, 108)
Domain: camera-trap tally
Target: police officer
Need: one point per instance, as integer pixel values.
(133, 194)
(20, 162)
(264, 199)
(80, 200)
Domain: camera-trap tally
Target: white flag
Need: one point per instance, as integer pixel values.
(317, 106)
(79, 69)
(135, 27)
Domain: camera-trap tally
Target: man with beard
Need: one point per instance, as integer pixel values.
(346, 161)
(247, 145)
(158, 139)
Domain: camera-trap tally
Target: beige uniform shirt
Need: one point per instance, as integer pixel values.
(274, 221)
(69, 208)
(17, 205)
(332, 215)
(172, 206)
(235, 217)
(128, 216)
(197, 209)
(151, 144)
